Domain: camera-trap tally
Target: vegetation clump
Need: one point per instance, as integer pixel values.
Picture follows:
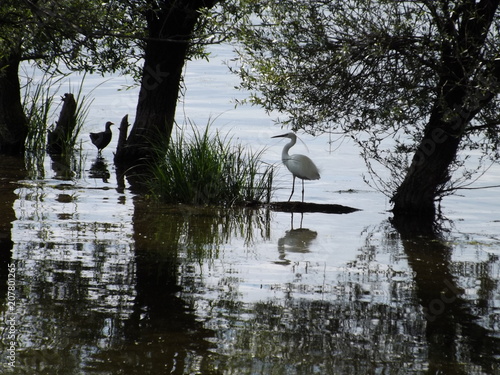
(39, 105)
(207, 169)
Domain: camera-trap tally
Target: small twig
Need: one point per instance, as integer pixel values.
(476, 188)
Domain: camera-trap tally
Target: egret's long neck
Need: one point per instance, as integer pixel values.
(288, 146)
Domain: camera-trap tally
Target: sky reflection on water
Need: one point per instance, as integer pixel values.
(178, 289)
(110, 283)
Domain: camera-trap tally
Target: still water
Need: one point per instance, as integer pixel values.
(96, 280)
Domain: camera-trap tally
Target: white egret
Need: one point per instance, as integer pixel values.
(102, 139)
(299, 165)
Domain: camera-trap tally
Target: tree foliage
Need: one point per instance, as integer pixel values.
(172, 37)
(373, 70)
(94, 36)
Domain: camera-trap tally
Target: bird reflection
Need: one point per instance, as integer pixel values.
(295, 241)
(99, 169)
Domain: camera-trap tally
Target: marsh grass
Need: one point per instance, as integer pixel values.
(83, 104)
(37, 101)
(207, 169)
(40, 109)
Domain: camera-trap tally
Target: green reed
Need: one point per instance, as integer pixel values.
(207, 169)
(37, 101)
(40, 108)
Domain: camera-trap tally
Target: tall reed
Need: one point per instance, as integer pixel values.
(83, 104)
(38, 104)
(37, 101)
(207, 169)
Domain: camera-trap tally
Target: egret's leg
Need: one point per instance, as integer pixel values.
(302, 191)
(293, 188)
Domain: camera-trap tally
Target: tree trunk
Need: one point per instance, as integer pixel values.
(13, 123)
(430, 167)
(462, 96)
(170, 28)
(428, 172)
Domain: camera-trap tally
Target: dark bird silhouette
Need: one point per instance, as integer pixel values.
(102, 139)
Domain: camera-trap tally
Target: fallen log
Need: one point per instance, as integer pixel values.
(311, 207)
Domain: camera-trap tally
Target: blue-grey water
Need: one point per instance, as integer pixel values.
(97, 280)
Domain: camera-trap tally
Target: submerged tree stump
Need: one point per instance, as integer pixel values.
(122, 136)
(311, 207)
(59, 139)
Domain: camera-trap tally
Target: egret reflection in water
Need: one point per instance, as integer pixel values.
(295, 241)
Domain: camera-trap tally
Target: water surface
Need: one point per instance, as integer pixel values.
(107, 282)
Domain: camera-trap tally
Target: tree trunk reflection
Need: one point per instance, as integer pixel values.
(11, 171)
(162, 321)
(453, 327)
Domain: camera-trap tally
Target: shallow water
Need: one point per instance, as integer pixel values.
(105, 282)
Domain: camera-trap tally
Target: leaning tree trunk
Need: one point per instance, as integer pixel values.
(465, 87)
(430, 167)
(13, 123)
(170, 29)
(429, 171)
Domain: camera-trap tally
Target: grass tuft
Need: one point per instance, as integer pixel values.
(206, 169)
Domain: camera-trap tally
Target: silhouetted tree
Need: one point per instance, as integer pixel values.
(170, 28)
(415, 83)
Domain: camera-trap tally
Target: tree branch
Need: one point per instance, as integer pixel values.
(493, 124)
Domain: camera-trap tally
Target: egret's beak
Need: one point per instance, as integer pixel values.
(281, 135)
